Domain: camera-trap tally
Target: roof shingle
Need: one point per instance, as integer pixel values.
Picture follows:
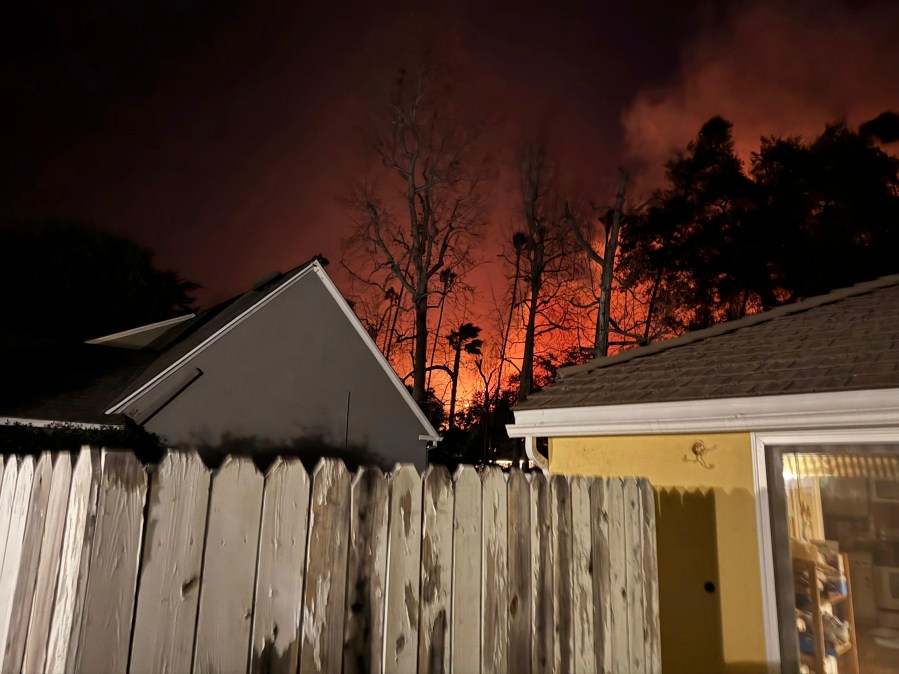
(846, 340)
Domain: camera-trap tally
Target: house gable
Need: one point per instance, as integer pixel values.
(292, 369)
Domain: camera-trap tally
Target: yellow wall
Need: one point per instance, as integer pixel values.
(726, 481)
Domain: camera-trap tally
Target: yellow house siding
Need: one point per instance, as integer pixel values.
(668, 462)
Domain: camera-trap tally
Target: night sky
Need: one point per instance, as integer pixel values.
(223, 134)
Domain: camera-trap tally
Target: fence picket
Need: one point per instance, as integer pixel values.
(495, 579)
(436, 571)
(18, 516)
(582, 577)
(403, 570)
(326, 558)
(465, 617)
(31, 548)
(620, 663)
(171, 566)
(562, 574)
(602, 628)
(109, 596)
(366, 574)
(7, 493)
(519, 536)
(48, 565)
(543, 637)
(281, 569)
(65, 626)
(229, 568)
(652, 635)
(633, 536)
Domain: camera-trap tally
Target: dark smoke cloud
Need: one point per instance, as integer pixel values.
(772, 68)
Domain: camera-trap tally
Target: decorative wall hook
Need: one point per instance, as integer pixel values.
(698, 451)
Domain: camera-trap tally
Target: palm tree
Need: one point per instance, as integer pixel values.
(448, 278)
(465, 338)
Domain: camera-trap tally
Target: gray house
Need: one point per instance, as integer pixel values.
(285, 367)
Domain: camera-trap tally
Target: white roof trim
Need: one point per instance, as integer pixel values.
(807, 411)
(430, 432)
(45, 423)
(316, 268)
(159, 327)
(212, 339)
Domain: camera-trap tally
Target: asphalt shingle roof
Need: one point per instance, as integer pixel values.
(67, 382)
(846, 340)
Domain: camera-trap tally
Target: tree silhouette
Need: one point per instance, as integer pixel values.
(69, 281)
(464, 338)
(544, 260)
(418, 217)
(808, 216)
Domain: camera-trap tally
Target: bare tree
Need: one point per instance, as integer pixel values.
(605, 260)
(544, 259)
(447, 278)
(423, 227)
(519, 245)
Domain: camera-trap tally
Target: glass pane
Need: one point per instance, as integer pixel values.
(843, 523)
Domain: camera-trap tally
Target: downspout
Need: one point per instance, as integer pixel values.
(530, 448)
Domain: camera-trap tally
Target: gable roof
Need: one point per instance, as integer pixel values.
(190, 338)
(845, 341)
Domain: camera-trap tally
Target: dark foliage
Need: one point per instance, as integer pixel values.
(69, 281)
(23, 439)
(720, 242)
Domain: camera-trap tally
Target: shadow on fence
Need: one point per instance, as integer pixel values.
(111, 567)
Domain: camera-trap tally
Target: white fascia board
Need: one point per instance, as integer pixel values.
(807, 411)
(138, 338)
(212, 339)
(430, 433)
(46, 423)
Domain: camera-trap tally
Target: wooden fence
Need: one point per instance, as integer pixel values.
(108, 567)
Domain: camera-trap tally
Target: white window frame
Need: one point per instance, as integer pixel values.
(760, 442)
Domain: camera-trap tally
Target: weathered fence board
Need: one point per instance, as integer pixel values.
(599, 519)
(48, 566)
(12, 560)
(482, 572)
(71, 585)
(109, 600)
(465, 619)
(229, 568)
(633, 536)
(403, 570)
(652, 633)
(519, 550)
(323, 602)
(562, 576)
(7, 493)
(583, 608)
(282, 568)
(495, 581)
(171, 566)
(436, 573)
(23, 598)
(542, 563)
(618, 642)
(366, 574)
